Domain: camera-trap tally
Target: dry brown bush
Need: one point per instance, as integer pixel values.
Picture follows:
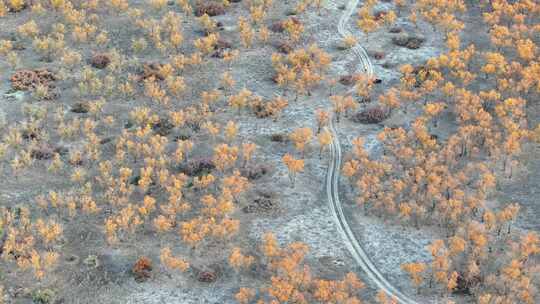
(142, 269)
(29, 79)
(211, 9)
(284, 47)
(370, 116)
(207, 276)
(100, 61)
(152, 70)
(198, 166)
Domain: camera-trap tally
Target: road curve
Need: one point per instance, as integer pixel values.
(357, 49)
(332, 181)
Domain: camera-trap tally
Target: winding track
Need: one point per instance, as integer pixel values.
(332, 181)
(358, 50)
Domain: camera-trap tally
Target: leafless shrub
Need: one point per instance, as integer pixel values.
(24, 80)
(196, 167)
(372, 115)
(207, 276)
(100, 61)
(211, 9)
(253, 172)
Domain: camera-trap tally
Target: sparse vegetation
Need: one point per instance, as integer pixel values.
(187, 142)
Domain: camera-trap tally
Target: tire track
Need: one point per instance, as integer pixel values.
(358, 50)
(332, 180)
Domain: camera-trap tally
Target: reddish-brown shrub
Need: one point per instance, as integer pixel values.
(284, 47)
(263, 203)
(30, 134)
(220, 48)
(379, 16)
(199, 166)
(279, 26)
(260, 110)
(348, 80)
(253, 172)
(379, 55)
(222, 44)
(42, 152)
(163, 127)
(207, 276)
(370, 116)
(29, 79)
(100, 61)
(142, 268)
(279, 137)
(80, 108)
(211, 9)
(410, 41)
(152, 70)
